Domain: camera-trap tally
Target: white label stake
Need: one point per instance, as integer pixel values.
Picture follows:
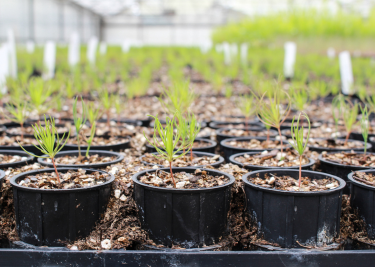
(49, 60)
(12, 54)
(91, 50)
(346, 73)
(4, 67)
(74, 50)
(289, 59)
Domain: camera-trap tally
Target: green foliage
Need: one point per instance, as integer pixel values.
(79, 121)
(297, 139)
(90, 139)
(48, 140)
(299, 98)
(365, 124)
(246, 104)
(179, 97)
(167, 142)
(93, 113)
(38, 95)
(349, 112)
(301, 23)
(336, 110)
(297, 134)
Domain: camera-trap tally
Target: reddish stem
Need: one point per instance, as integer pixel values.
(57, 174)
(170, 168)
(346, 139)
(108, 119)
(300, 171)
(21, 131)
(191, 154)
(246, 122)
(281, 141)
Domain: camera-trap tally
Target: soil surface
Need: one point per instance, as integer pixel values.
(196, 144)
(321, 132)
(12, 141)
(351, 159)
(256, 144)
(365, 178)
(100, 141)
(92, 159)
(115, 129)
(184, 161)
(332, 143)
(69, 180)
(232, 119)
(273, 158)
(287, 183)
(244, 132)
(198, 179)
(30, 130)
(4, 158)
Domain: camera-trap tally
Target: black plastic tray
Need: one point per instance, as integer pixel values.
(63, 257)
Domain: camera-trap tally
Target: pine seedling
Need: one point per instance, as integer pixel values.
(297, 140)
(247, 107)
(18, 111)
(194, 128)
(270, 113)
(90, 139)
(119, 107)
(93, 113)
(106, 101)
(168, 147)
(365, 125)
(228, 91)
(38, 96)
(79, 122)
(49, 141)
(180, 97)
(182, 127)
(349, 112)
(336, 111)
(299, 98)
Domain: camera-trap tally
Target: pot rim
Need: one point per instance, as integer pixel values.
(232, 160)
(126, 138)
(183, 169)
(16, 152)
(220, 160)
(352, 180)
(341, 186)
(343, 165)
(212, 143)
(63, 170)
(369, 146)
(253, 129)
(285, 144)
(62, 153)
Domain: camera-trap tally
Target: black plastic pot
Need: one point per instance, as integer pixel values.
(285, 217)
(231, 150)
(32, 135)
(362, 199)
(287, 124)
(198, 154)
(116, 147)
(321, 149)
(358, 136)
(217, 125)
(29, 148)
(50, 217)
(127, 121)
(2, 175)
(190, 217)
(101, 153)
(210, 148)
(232, 159)
(28, 160)
(220, 136)
(339, 170)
